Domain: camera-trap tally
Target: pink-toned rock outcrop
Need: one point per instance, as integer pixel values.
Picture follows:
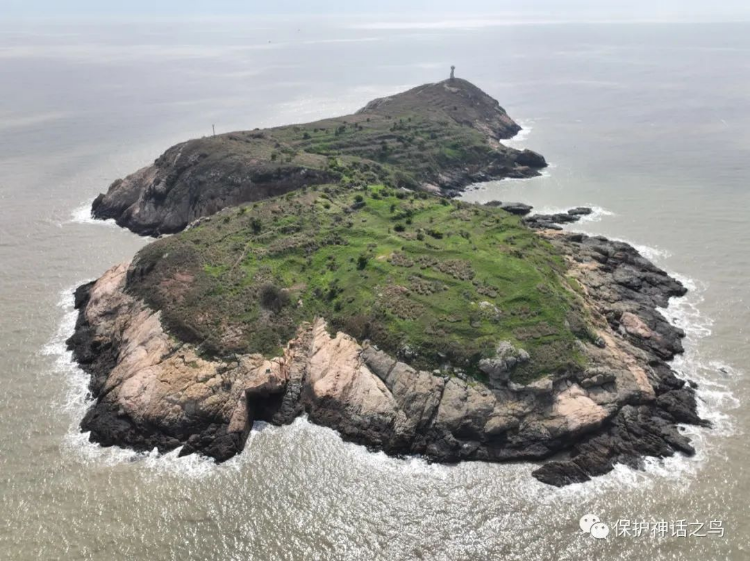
(153, 391)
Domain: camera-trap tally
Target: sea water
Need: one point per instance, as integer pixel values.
(646, 123)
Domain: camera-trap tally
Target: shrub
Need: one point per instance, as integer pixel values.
(333, 291)
(362, 261)
(273, 298)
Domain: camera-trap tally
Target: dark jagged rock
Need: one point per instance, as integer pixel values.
(519, 209)
(553, 221)
(626, 289)
(530, 159)
(440, 137)
(635, 432)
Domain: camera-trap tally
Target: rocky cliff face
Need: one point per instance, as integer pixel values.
(151, 390)
(439, 137)
(199, 178)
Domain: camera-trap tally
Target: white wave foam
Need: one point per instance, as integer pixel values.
(654, 473)
(544, 174)
(82, 215)
(77, 400)
(522, 136)
(685, 312)
(302, 428)
(597, 213)
(654, 253)
(714, 396)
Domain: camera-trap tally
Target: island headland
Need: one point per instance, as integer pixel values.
(320, 270)
(439, 137)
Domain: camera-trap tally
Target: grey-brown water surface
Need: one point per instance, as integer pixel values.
(647, 122)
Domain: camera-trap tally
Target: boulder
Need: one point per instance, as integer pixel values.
(519, 209)
(499, 367)
(530, 159)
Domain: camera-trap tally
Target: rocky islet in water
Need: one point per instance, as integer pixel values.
(409, 322)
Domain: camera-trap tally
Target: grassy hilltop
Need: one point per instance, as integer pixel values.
(436, 137)
(413, 136)
(433, 281)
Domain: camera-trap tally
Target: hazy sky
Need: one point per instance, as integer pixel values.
(716, 10)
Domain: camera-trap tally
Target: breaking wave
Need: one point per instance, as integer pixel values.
(82, 215)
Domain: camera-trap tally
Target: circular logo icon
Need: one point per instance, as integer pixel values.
(599, 530)
(587, 521)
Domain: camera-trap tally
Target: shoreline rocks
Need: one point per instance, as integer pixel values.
(626, 289)
(553, 221)
(153, 391)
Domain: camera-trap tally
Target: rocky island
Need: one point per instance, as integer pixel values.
(321, 270)
(439, 137)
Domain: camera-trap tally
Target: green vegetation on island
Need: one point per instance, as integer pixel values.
(436, 282)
